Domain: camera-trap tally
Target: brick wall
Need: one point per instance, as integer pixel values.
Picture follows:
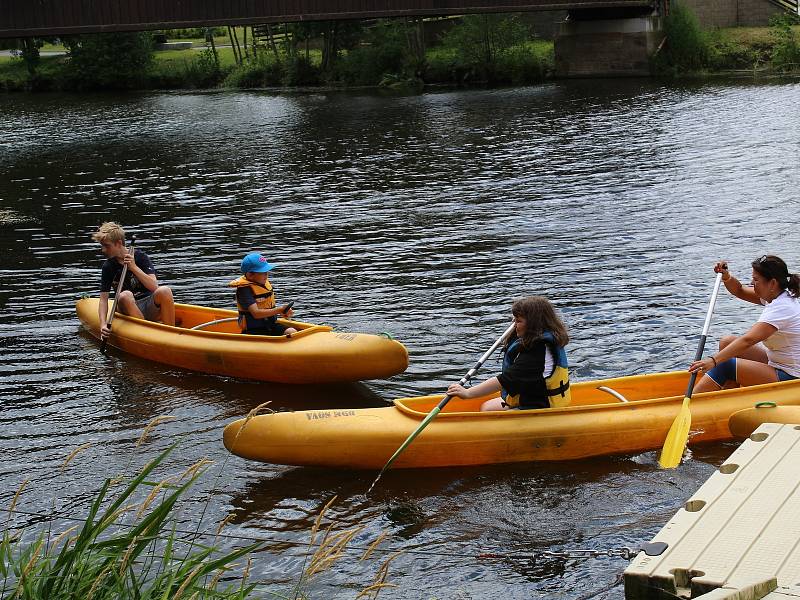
(732, 13)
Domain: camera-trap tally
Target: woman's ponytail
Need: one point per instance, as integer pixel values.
(794, 284)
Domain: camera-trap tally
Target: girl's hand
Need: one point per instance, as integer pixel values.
(703, 365)
(459, 390)
(722, 267)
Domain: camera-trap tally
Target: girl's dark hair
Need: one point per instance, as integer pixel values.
(540, 316)
(772, 267)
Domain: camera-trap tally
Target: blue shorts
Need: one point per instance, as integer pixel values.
(726, 371)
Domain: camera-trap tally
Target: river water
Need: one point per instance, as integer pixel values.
(422, 216)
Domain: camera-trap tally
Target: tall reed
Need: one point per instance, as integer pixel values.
(129, 547)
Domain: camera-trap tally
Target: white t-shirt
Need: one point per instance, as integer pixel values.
(783, 346)
(549, 362)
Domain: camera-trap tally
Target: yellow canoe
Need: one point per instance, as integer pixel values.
(315, 354)
(597, 423)
(745, 422)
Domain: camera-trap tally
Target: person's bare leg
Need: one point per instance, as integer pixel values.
(706, 384)
(127, 305)
(163, 298)
(493, 404)
(751, 372)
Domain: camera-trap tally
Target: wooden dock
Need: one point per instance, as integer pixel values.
(738, 536)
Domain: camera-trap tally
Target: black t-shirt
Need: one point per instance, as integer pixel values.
(524, 377)
(109, 278)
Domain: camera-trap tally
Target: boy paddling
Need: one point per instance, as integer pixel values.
(141, 296)
(255, 299)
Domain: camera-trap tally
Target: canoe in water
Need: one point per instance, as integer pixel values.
(315, 354)
(596, 423)
(745, 422)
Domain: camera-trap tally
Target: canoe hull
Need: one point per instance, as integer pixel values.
(316, 354)
(366, 438)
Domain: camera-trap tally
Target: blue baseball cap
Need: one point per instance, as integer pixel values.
(255, 263)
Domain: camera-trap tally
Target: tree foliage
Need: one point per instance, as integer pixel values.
(110, 60)
(786, 51)
(479, 40)
(688, 46)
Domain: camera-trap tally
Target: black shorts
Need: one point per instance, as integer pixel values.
(271, 329)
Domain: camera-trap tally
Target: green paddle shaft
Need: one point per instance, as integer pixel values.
(432, 415)
(678, 433)
(121, 282)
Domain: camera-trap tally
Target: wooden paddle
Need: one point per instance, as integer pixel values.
(432, 415)
(672, 451)
(104, 341)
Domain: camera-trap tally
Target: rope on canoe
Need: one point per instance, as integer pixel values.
(386, 334)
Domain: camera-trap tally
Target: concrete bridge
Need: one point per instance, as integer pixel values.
(601, 37)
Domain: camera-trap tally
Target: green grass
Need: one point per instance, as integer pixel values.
(752, 36)
(172, 58)
(14, 73)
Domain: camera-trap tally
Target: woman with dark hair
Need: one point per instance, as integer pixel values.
(534, 364)
(770, 350)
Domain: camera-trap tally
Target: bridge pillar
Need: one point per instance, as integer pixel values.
(606, 43)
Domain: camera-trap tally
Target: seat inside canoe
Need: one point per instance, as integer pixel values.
(216, 320)
(585, 393)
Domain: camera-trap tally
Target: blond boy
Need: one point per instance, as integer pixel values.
(141, 296)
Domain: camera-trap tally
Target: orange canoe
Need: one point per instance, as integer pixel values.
(596, 423)
(315, 354)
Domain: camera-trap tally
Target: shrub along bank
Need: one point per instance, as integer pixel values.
(688, 49)
(477, 49)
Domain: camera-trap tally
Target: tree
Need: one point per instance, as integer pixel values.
(110, 60)
(478, 39)
(30, 53)
(337, 36)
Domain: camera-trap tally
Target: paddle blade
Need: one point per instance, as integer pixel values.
(675, 443)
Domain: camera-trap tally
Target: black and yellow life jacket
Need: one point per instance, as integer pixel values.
(264, 295)
(557, 383)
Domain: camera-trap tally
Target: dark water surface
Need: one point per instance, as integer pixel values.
(422, 216)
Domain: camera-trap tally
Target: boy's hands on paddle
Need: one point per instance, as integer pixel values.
(722, 267)
(105, 331)
(287, 309)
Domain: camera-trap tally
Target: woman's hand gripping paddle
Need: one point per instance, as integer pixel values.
(432, 415)
(104, 341)
(672, 451)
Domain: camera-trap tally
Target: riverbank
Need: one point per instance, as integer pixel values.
(385, 62)
(193, 69)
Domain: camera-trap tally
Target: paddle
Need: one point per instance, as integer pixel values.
(104, 341)
(672, 451)
(432, 415)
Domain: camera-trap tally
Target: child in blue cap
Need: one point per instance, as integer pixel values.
(255, 299)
